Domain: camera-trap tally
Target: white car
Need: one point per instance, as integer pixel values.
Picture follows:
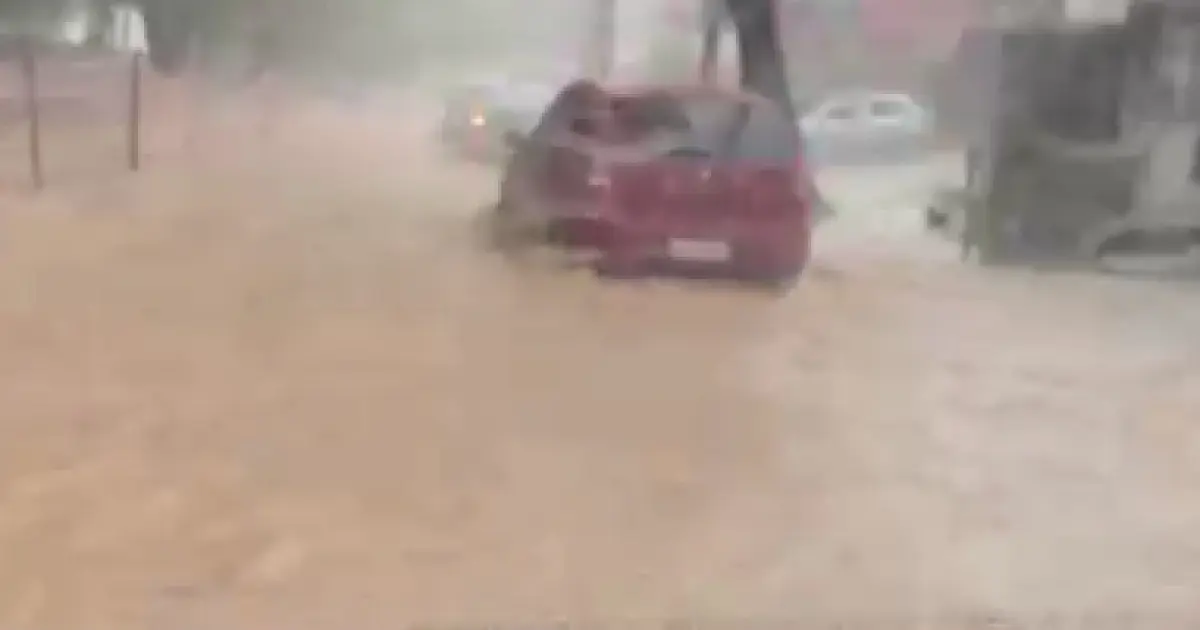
(866, 126)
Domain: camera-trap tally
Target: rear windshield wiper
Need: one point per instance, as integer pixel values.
(689, 153)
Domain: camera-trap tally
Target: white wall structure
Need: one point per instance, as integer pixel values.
(126, 30)
(129, 30)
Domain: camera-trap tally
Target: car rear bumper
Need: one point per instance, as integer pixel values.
(769, 249)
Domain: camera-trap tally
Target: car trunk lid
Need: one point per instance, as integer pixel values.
(701, 193)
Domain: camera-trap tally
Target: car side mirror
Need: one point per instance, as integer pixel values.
(514, 139)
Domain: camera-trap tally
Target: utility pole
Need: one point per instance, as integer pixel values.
(29, 71)
(600, 42)
(711, 17)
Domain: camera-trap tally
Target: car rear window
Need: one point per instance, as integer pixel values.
(755, 132)
(889, 107)
(724, 129)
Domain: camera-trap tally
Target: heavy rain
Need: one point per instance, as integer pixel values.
(274, 378)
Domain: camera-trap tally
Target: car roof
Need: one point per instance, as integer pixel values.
(685, 90)
(864, 95)
(855, 97)
(891, 96)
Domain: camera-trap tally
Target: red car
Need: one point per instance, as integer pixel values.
(696, 179)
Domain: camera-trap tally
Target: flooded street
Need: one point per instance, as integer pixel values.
(285, 388)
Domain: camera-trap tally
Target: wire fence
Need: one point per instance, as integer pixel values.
(63, 110)
(68, 117)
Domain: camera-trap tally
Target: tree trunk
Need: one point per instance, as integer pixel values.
(760, 51)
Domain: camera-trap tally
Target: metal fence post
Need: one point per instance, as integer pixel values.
(134, 139)
(29, 72)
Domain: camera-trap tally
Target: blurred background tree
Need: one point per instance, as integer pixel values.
(376, 38)
(31, 16)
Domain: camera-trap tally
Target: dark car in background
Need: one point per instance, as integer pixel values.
(477, 115)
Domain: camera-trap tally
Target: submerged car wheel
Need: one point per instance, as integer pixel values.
(781, 282)
(616, 267)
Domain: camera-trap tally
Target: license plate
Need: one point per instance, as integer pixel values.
(698, 251)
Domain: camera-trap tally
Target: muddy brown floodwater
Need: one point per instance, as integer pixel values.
(286, 389)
